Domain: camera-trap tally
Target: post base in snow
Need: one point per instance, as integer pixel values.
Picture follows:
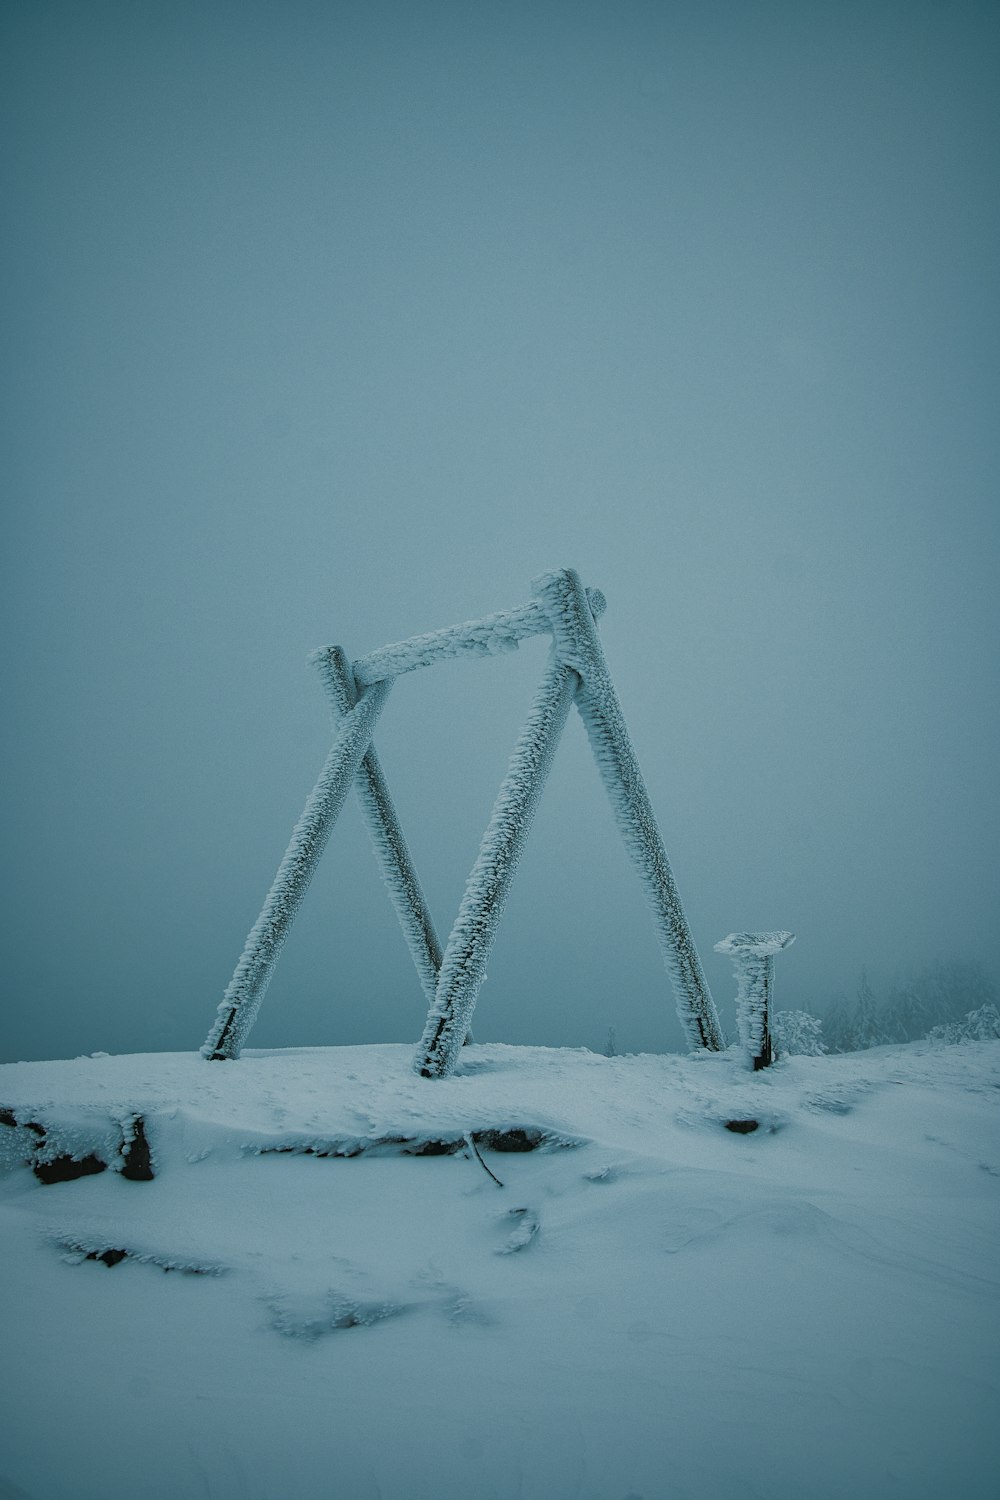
(765, 1057)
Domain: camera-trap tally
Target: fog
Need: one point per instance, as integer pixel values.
(340, 322)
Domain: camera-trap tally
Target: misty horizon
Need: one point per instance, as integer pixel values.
(341, 323)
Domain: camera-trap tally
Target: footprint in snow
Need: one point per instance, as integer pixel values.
(523, 1224)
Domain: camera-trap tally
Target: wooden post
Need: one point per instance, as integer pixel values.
(753, 959)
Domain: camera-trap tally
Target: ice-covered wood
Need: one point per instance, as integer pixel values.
(756, 944)
(578, 645)
(463, 967)
(490, 636)
(241, 1002)
(391, 850)
(753, 959)
(451, 981)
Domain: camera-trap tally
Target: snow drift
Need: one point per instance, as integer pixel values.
(292, 1275)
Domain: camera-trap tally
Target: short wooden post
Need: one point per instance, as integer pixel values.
(753, 959)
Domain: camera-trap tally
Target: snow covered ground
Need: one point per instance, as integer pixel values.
(651, 1305)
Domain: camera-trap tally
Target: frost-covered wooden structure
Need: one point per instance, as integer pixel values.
(752, 954)
(576, 672)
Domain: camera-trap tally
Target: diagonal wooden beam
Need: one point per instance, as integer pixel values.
(578, 645)
(242, 1000)
(395, 861)
(463, 967)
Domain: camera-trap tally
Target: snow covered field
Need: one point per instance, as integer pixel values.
(652, 1305)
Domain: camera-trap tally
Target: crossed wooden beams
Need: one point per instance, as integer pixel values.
(576, 672)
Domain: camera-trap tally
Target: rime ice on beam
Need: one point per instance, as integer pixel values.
(390, 846)
(490, 636)
(753, 959)
(242, 999)
(578, 645)
(463, 967)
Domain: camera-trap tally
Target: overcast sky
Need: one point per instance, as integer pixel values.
(338, 322)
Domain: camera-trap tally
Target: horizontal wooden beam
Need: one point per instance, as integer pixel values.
(490, 636)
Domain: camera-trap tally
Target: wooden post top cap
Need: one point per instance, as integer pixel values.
(760, 944)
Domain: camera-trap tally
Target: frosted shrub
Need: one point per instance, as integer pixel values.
(982, 1025)
(798, 1034)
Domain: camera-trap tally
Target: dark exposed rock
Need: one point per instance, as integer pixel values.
(113, 1255)
(135, 1154)
(432, 1148)
(107, 1257)
(136, 1158)
(742, 1127)
(8, 1117)
(68, 1168)
(514, 1139)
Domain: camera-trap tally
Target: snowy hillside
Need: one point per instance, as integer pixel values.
(291, 1276)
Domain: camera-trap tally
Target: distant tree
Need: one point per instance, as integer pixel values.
(837, 1026)
(942, 993)
(906, 1014)
(927, 1002)
(868, 1030)
(610, 1050)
